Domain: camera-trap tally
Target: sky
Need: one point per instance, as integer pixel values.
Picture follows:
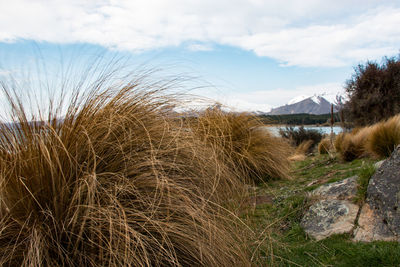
(251, 55)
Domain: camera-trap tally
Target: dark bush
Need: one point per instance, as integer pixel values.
(300, 134)
(374, 92)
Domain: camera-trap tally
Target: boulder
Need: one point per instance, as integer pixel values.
(383, 193)
(328, 217)
(371, 227)
(342, 190)
(379, 217)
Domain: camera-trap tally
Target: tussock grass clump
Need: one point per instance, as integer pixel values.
(304, 147)
(384, 137)
(114, 183)
(325, 146)
(301, 151)
(337, 143)
(249, 150)
(353, 145)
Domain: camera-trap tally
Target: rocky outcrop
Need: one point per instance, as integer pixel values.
(333, 213)
(342, 190)
(328, 217)
(371, 227)
(381, 214)
(378, 164)
(378, 218)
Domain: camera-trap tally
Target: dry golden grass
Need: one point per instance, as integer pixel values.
(297, 157)
(337, 143)
(249, 150)
(325, 145)
(384, 137)
(304, 147)
(116, 183)
(353, 145)
(301, 151)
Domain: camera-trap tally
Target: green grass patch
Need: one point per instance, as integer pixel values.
(280, 240)
(364, 176)
(334, 251)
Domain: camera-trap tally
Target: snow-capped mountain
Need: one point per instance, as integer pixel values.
(315, 104)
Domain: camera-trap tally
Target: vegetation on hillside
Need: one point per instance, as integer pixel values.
(299, 119)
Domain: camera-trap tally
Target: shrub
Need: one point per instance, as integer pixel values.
(325, 145)
(113, 183)
(374, 91)
(299, 135)
(384, 137)
(244, 145)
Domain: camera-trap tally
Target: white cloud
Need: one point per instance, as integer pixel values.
(264, 100)
(295, 32)
(200, 47)
(4, 72)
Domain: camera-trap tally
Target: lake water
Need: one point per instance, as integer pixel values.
(322, 129)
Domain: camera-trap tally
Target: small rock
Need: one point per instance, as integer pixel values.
(343, 190)
(371, 227)
(328, 217)
(378, 164)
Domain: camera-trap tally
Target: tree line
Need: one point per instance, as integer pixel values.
(373, 92)
(299, 119)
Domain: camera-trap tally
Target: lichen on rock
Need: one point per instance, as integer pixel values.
(328, 217)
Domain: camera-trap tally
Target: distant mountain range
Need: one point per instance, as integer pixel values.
(311, 105)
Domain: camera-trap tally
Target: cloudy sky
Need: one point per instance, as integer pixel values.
(252, 54)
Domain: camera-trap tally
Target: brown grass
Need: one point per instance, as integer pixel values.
(116, 183)
(325, 146)
(337, 143)
(304, 147)
(297, 157)
(353, 145)
(377, 140)
(301, 150)
(248, 149)
(384, 137)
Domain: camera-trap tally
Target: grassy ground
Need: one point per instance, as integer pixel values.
(276, 223)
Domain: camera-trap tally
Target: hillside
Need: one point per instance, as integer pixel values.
(311, 105)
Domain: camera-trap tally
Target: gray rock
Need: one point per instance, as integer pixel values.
(383, 193)
(343, 190)
(371, 227)
(378, 164)
(328, 217)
